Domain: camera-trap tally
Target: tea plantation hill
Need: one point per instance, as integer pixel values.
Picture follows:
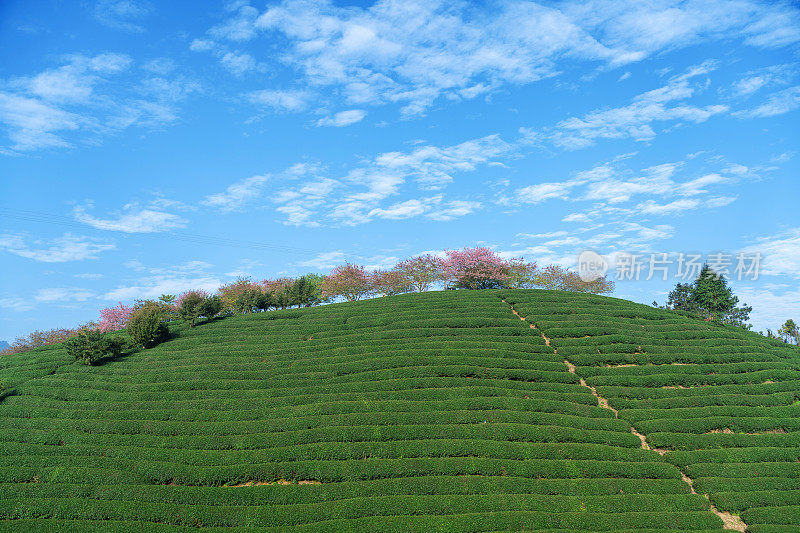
(455, 410)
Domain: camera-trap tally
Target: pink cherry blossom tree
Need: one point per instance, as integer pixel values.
(352, 282)
(114, 318)
(422, 271)
(390, 282)
(476, 268)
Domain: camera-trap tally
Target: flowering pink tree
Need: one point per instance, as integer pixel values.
(114, 318)
(556, 277)
(476, 268)
(194, 293)
(422, 271)
(353, 282)
(277, 285)
(390, 282)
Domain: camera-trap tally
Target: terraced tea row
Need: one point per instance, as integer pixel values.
(429, 411)
(721, 403)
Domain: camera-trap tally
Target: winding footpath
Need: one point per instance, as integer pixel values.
(730, 521)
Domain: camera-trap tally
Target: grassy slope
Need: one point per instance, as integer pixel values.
(723, 401)
(433, 411)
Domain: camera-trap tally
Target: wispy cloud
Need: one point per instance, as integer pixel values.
(132, 219)
(122, 14)
(236, 195)
(68, 247)
(17, 304)
(86, 98)
(343, 118)
(781, 253)
(777, 103)
(416, 53)
(636, 120)
(280, 100)
(166, 280)
(63, 294)
(238, 62)
(324, 261)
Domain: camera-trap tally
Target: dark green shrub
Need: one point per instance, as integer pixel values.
(210, 307)
(146, 326)
(251, 300)
(91, 346)
(190, 306)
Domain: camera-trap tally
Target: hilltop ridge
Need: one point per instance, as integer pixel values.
(457, 410)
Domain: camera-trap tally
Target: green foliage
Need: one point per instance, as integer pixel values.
(90, 347)
(710, 297)
(306, 290)
(253, 299)
(431, 411)
(789, 332)
(146, 326)
(190, 306)
(210, 307)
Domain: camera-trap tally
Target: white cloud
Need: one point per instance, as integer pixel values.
(401, 210)
(548, 235)
(240, 27)
(453, 209)
(86, 98)
(63, 295)
(415, 53)
(90, 275)
(68, 247)
(201, 45)
(133, 219)
(170, 280)
(780, 253)
(636, 120)
(34, 124)
(238, 62)
(776, 104)
(772, 306)
(236, 195)
(364, 188)
(343, 118)
(576, 217)
(17, 304)
(122, 14)
(280, 100)
(328, 260)
(749, 85)
(534, 194)
(650, 207)
(324, 261)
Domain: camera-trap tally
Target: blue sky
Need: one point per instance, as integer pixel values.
(150, 147)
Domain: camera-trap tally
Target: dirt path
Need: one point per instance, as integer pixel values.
(730, 521)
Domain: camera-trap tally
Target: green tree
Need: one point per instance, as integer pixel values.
(210, 307)
(710, 297)
(90, 346)
(190, 306)
(789, 332)
(681, 298)
(251, 300)
(146, 326)
(306, 290)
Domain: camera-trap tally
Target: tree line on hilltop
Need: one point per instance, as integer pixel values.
(708, 297)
